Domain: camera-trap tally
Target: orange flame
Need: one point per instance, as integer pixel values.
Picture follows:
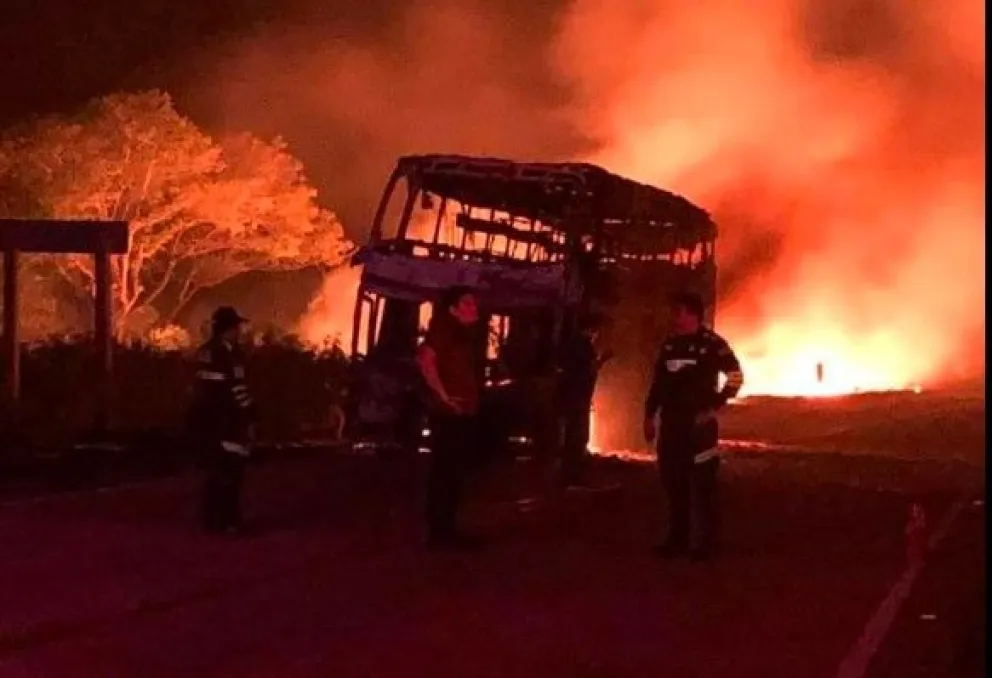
(841, 156)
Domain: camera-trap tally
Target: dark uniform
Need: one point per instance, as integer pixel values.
(221, 418)
(685, 385)
(579, 366)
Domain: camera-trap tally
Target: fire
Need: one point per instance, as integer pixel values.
(330, 317)
(783, 360)
(842, 157)
(795, 376)
(594, 446)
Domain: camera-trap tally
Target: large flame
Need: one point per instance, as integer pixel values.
(330, 317)
(840, 145)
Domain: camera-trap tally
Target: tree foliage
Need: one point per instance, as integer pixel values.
(201, 211)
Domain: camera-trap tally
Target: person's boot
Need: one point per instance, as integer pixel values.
(228, 520)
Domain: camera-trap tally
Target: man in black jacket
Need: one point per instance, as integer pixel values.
(222, 419)
(685, 392)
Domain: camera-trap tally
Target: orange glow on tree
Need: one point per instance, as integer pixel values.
(201, 211)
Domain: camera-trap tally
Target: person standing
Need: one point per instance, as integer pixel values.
(684, 390)
(222, 420)
(451, 363)
(579, 363)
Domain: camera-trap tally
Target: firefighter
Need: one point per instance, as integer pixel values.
(684, 390)
(579, 363)
(222, 421)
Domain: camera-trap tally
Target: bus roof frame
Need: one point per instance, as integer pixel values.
(575, 198)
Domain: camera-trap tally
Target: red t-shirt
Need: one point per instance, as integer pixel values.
(458, 366)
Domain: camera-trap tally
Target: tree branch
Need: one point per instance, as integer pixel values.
(156, 291)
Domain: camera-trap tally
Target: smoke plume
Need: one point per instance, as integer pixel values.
(440, 76)
(839, 144)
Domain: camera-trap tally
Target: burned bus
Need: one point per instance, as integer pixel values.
(541, 243)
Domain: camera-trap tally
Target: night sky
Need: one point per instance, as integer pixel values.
(58, 53)
(229, 65)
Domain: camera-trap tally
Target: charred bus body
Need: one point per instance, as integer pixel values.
(540, 243)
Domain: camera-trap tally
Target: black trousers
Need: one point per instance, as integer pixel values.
(686, 480)
(453, 441)
(574, 443)
(220, 507)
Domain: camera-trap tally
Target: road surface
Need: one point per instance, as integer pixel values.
(335, 583)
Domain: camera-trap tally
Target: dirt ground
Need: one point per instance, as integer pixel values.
(336, 582)
(941, 426)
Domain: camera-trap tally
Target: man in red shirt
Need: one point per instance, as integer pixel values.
(452, 362)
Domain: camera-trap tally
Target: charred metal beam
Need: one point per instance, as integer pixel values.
(443, 251)
(496, 228)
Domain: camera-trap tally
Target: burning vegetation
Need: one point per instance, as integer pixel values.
(840, 145)
(840, 148)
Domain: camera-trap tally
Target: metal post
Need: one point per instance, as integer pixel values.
(11, 338)
(103, 324)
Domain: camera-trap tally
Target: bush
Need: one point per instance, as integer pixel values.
(151, 388)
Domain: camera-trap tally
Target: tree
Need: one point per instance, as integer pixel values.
(201, 211)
